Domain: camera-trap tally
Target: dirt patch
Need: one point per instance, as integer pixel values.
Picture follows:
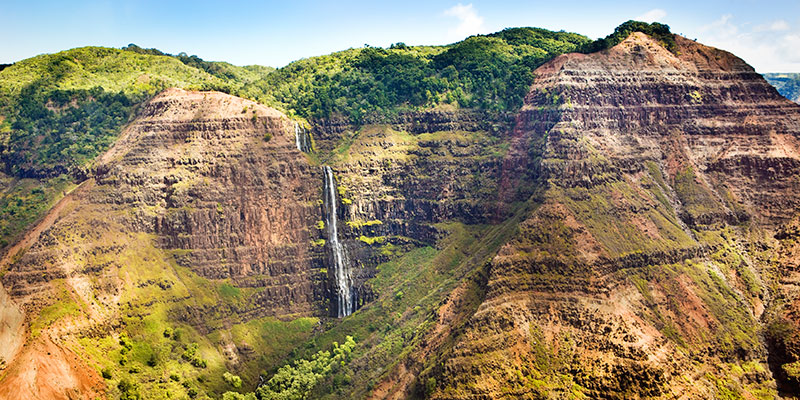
(45, 370)
(11, 330)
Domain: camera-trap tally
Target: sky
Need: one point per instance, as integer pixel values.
(764, 33)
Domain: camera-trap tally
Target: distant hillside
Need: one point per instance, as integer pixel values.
(59, 111)
(788, 84)
(430, 222)
(491, 72)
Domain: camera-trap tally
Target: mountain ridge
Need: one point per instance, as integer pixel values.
(616, 238)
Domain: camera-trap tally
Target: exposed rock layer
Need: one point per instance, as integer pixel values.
(644, 266)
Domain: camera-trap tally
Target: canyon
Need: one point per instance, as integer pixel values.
(631, 231)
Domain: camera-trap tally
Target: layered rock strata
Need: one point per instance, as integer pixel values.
(644, 269)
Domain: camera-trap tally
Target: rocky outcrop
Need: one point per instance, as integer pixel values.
(200, 185)
(639, 273)
(645, 206)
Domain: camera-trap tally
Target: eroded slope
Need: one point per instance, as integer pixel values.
(198, 218)
(646, 266)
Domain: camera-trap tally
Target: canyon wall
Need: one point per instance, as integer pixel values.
(647, 264)
(631, 232)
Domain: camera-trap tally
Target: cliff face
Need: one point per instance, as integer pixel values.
(646, 266)
(212, 178)
(201, 189)
(631, 232)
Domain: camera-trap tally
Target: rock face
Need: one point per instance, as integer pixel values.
(645, 205)
(214, 178)
(201, 187)
(217, 176)
(644, 269)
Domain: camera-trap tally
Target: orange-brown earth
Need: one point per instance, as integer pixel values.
(646, 265)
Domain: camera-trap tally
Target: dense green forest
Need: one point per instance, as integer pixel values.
(489, 72)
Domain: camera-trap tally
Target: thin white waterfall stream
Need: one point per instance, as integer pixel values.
(340, 260)
(301, 139)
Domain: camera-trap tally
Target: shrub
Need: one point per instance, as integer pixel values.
(232, 379)
(190, 355)
(125, 342)
(128, 390)
(430, 386)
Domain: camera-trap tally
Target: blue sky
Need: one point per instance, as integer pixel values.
(765, 33)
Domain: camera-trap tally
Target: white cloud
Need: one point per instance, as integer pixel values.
(653, 15)
(469, 22)
(774, 26)
(769, 47)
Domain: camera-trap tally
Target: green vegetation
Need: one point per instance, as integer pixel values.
(232, 379)
(372, 240)
(226, 290)
(358, 224)
(491, 72)
(57, 131)
(190, 355)
(410, 288)
(24, 201)
(61, 110)
(696, 198)
(656, 30)
(64, 307)
(295, 382)
(156, 347)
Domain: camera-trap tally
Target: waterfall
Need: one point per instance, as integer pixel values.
(301, 139)
(341, 262)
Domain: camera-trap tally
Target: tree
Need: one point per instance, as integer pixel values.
(232, 379)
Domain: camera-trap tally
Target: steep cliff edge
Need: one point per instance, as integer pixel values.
(646, 266)
(198, 218)
(631, 232)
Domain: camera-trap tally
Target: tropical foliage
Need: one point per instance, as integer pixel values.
(656, 30)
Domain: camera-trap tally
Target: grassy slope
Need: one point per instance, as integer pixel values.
(479, 72)
(164, 310)
(112, 69)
